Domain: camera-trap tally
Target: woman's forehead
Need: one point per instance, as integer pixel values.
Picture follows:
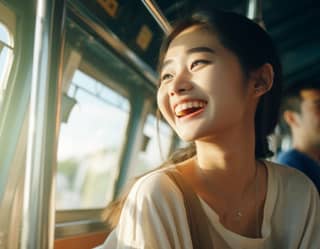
(192, 37)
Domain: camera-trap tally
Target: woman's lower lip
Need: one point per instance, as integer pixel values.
(191, 115)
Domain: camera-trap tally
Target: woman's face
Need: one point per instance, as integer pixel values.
(203, 90)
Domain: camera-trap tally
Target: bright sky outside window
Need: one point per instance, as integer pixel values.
(90, 144)
(6, 58)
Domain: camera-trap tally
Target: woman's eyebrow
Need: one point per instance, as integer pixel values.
(200, 49)
(190, 51)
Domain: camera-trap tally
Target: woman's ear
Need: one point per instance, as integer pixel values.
(263, 79)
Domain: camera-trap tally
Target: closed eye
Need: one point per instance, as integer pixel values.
(197, 63)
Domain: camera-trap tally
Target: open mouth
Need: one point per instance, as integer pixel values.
(189, 108)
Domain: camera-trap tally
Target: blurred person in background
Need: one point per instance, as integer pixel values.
(301, 112)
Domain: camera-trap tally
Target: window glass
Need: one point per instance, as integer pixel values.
(90, 143)
(6, 57)
(155, 147)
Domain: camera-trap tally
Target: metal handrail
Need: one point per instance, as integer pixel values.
(158, 15)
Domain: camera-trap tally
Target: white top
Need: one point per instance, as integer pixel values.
(154, 216)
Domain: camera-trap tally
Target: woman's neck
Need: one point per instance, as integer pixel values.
(228, 165)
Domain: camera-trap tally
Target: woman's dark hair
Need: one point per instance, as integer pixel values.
(253, 47)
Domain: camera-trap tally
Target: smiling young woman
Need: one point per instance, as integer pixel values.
(220, 86)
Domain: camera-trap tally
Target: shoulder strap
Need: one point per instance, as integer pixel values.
(197, 219)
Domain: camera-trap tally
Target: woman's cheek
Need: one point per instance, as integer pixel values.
(163, 103)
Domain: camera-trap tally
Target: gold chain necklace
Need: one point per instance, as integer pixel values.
(238, 214)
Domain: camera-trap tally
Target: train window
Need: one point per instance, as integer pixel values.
(6, 58)
(90, 143)
(155, 146)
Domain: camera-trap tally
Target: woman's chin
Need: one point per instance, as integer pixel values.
(188, 136)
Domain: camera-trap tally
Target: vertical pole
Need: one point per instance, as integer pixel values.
(254, 12)
(38, 211)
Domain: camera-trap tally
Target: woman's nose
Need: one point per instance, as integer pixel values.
(180, 85)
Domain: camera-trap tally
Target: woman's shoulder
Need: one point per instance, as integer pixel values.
(297, 203)
(154, 186)
(290, 178)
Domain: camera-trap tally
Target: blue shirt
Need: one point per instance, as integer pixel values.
(302, 162)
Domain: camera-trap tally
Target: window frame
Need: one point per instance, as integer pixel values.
(75, 222)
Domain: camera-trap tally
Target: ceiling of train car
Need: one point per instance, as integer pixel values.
(293, 25)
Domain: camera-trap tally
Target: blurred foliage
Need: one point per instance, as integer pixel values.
(68, 168)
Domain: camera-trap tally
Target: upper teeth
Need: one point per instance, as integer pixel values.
(190, 104)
